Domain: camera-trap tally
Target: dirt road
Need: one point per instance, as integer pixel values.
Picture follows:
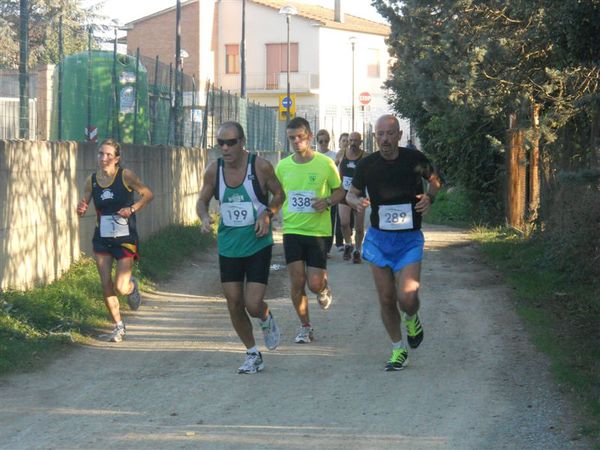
(476, 382)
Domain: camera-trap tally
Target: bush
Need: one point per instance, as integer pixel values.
(457, 206)
(572, 230)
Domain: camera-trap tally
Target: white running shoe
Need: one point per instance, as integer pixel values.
(117, 334)
(305, 335)
(325, 297)
(253, 364)
(271, 333)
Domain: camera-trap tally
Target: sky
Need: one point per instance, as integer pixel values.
(129, 10)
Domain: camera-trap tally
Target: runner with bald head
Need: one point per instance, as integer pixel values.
(393, 178)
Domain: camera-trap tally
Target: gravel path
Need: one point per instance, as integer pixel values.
(476, 382)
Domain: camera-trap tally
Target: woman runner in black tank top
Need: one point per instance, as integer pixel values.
(115, 236)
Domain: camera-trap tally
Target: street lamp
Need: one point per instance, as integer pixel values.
(352, 41)
(288, 11)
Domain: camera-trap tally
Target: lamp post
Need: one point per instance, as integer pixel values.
(178, 77)
(352, 41)
(288, 11)
(23, 75)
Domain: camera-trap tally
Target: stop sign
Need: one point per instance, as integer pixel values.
(364, 98)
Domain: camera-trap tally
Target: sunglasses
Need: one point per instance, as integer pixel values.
(229, 142)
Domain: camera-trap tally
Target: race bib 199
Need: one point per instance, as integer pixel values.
(113, 226)
(347, 182)
(395, 217)
(301, 201)
(237, 214)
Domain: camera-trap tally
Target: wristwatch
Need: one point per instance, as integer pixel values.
(132, 209)
(328, 201)
(269, 213)
(431, 197)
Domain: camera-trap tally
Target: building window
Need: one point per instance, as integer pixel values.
(277, 62)
(232, 58)
(373, 63)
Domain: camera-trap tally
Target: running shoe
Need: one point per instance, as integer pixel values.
(356, 259)
(397, 361)
(305, 335)
(117, 334)
(348, 252)
(254, 363)
(325, 297)
(271, 332)
(134, 299)
(414, 331)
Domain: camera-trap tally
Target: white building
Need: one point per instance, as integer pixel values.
(334, 57)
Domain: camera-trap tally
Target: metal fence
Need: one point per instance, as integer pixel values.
(203, 109)
(89, 99)
(9, 104)
(260, 122)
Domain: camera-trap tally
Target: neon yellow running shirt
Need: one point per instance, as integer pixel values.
(302, 183)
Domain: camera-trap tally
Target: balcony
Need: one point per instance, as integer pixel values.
(262, 83)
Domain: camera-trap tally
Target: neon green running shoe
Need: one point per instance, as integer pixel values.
(398, 360)
(414, 331)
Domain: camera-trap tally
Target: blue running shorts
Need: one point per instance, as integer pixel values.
(394, 249)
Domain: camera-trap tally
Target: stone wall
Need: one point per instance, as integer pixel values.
(41, 183)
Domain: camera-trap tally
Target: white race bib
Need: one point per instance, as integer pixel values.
(237, 214)
(113, 226)
(395, 217)
(301, 201)
(347, 182)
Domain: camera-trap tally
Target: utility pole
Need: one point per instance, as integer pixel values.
(178, 77)
(60, 75)
(23, 76)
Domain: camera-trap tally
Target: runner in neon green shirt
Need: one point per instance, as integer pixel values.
(303, 183)
(312, 185)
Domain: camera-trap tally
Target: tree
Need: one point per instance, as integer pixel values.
(43, 30)
(462, 67)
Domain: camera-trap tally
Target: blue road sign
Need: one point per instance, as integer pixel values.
(286, 102)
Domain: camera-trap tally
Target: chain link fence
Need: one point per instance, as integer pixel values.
(94, 95)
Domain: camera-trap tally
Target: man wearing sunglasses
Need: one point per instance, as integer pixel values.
(242, 182)
(312, 185)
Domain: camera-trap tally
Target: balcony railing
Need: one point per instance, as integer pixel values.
(276, 82)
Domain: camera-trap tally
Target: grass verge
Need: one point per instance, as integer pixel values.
(561, 315)
(560, 310)
(36, 324)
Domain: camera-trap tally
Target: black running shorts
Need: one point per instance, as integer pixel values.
(105, 246)
(311, 249)
(253, 268)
